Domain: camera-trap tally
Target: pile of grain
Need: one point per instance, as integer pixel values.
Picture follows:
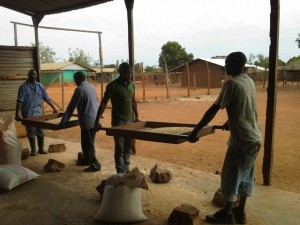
(168, 130)
(57, 120)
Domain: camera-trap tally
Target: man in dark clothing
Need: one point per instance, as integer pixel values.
(121, 92)
(29, 104)
(85, 99)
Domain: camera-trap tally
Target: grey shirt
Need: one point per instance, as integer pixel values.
(85, 99)
(238, 97)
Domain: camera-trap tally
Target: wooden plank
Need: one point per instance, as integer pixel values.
(15, 72)
(13, 77)
(16, 48)
(16, 66)
(137, 131)
(44, 122)
(5, 59)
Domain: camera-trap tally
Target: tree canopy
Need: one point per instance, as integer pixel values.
(47, 54)
(152, 69)
(174, 55)
(79, 56)
(295, 58)
(298, 40)
(261, 60)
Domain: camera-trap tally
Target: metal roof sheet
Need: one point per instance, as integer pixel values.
(105, 70)
(292, 66)
(61, 66)
(46, 7)
(219, 62)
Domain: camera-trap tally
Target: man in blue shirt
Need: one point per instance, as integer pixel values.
(29, 104)
(85, 99)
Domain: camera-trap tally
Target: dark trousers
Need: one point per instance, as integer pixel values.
(88, 147)
(123, 149)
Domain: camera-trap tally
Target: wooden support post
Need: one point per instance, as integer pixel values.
(208, 78)
(194, 81)
(62, 91)
(265, 78)
(129, 6)
(188, 78)
(36, 20)
(144, 80)
(101, 63)
(272, 93)
(15, 34)
(167, 77)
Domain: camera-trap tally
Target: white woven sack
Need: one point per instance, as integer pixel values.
(10, 147)
(121, 204)
(14, 175)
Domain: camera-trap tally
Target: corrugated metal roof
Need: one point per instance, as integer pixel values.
(62, 66)
(105, 70)
(46, 7)
(219, 62)
(54, 66)
(292, 66)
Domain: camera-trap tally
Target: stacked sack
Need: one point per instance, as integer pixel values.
(12, 174)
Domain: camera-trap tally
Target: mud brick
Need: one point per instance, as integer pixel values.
(57, 148)
(54, 166)
(185, 215)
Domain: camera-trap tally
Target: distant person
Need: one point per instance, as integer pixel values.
(121, 92)
(238, 97)
(85, 99)
(29, 104)
(284, 78)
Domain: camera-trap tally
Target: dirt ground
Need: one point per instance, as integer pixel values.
(69, 197)
(207, 154)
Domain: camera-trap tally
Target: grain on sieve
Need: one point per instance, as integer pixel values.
(168, 130)
(57, 120)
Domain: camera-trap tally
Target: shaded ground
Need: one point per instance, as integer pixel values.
(70, 197)
(207, 154)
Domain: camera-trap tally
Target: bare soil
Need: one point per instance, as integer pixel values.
(207, 154)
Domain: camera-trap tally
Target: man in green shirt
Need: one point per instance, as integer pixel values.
(121, 92)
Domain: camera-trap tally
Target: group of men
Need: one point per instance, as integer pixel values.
(237, 96)
(121, 92)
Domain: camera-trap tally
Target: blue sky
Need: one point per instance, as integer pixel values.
(204, 28)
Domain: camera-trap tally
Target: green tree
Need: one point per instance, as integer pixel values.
(251, 59)
(109, 66)
(298, 40)
(137, 67)
(79, 56)
(262, 61)
(295, 58)
(152, 69)
(47, 54)
(174, 55)
(281, 63)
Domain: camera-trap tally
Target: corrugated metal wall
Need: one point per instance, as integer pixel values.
(14, 64)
